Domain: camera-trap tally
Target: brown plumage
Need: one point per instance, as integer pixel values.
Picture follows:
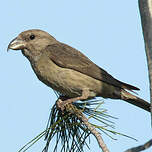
(68, 71)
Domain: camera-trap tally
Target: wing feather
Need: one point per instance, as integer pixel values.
(68, 57)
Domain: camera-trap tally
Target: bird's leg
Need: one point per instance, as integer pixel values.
(62, 103)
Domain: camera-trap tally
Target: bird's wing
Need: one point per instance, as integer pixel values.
(68, 57)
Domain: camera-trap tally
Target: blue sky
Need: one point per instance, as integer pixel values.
(108, 32)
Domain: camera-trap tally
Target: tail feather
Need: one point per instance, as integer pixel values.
(135, 100)
(129, 87)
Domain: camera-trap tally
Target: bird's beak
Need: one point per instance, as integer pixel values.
(16, 44)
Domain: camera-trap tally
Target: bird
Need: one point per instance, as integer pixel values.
(69, 72)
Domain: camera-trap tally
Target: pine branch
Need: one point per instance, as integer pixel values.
(72, 129)
(92, 128)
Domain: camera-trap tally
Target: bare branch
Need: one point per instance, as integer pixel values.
(140, 148)
(145, 7)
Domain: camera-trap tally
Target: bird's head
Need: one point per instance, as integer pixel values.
(32, 42)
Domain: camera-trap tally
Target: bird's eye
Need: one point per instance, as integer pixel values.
(32, 37)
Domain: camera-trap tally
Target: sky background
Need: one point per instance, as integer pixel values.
(108, 32)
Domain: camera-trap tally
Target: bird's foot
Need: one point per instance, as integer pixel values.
(62, 104)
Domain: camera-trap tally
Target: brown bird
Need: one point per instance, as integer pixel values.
(69, 72)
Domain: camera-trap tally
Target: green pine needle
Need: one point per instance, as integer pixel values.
(70, 132)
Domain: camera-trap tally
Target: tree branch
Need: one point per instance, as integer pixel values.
(72, 109)
(145, 7)
(94, 132)
(140, 148)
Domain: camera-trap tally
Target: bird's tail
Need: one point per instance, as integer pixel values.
(135, 100)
